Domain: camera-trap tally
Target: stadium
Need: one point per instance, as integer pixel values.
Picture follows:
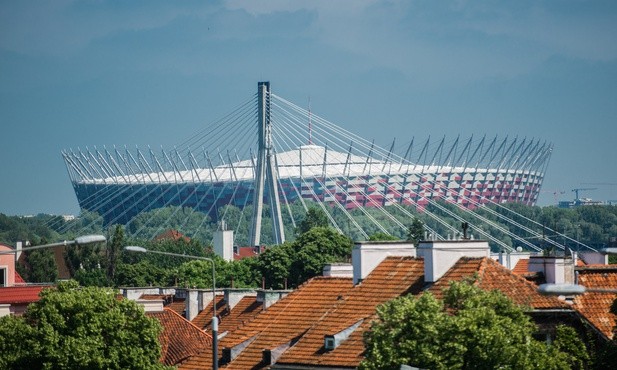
(305, 158)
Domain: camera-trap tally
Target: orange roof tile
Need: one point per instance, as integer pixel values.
(595, 307)
(522, 267)
(180, 339)
(20, 294)
(284, 321)
(491, 276)
(169, 300)
(18, 278)
(172, 235)
(393, 277)
(247, 252)
(203, 319)
(243, 312)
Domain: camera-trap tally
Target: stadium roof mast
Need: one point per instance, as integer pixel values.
(265, 172)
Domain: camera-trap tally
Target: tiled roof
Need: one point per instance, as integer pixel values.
(176, 304)
(180, 339)
(522, 267)
(204, 318)
(245, 252)
(491, 276)
(284, 321)
(172, 235)
(595, 307)
(18, 278)
(394, 277)
(20, 294)
(243, 312)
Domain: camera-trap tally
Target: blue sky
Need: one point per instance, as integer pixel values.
(93, 73)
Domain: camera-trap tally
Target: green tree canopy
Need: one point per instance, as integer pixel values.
(381, 236)
(314, 249)
(315, 217)
(416, 231)
(470, 329)
(87, 328)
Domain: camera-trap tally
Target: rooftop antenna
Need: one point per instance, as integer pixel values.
(465, 226)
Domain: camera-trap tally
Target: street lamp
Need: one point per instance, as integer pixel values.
(80, 240)
(570, 289)
(608, 250)
(215, 363)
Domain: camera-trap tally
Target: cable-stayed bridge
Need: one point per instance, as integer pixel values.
(271, 150)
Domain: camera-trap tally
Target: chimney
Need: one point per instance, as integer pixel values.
(18, 248)
(233, 296)
(269, 297)
(338, 270)
(593, 258)
(223, 242)
(151, 305)
(440, 255)
(553, 267)
(366, 255)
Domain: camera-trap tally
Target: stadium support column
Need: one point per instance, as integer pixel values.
(265, 173)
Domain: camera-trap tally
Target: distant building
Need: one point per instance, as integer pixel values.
(15, 295)
(580, 203)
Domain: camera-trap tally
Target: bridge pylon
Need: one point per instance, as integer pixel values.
(266, 175)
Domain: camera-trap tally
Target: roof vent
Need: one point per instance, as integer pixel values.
(329, 343)
(229, 354)
(332, 341)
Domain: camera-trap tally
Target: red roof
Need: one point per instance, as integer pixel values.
(20, 294)
(18, 278)
(393, 277)
(172, 235)
(522, 267)
(243, 312)
(245, 252)
(595, 307)
(169, 300)
(204, 318)
(281, 323)
(493, 276)
(180, 339)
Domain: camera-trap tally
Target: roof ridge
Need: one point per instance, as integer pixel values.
(190, 323)
(521, 279)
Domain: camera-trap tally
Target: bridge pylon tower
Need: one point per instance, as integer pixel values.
(266, 175)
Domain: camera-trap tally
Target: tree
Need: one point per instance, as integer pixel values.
(381, 236)
(114, 248)
(416, 231)
(41, 266)
(87, 328)
(275, 264)
(315, 217)
(470, 329)
(142, 273)
(314, 249)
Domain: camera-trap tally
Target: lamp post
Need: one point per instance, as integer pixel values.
(608, 250)
(80, 240)
(570, 289)
(215, 363)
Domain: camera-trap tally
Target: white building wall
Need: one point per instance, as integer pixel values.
(440, 255)
(365, 256)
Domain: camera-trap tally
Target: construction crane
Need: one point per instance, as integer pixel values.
(580, 189)
(555, 193)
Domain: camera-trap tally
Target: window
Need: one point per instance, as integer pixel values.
(3, 277)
